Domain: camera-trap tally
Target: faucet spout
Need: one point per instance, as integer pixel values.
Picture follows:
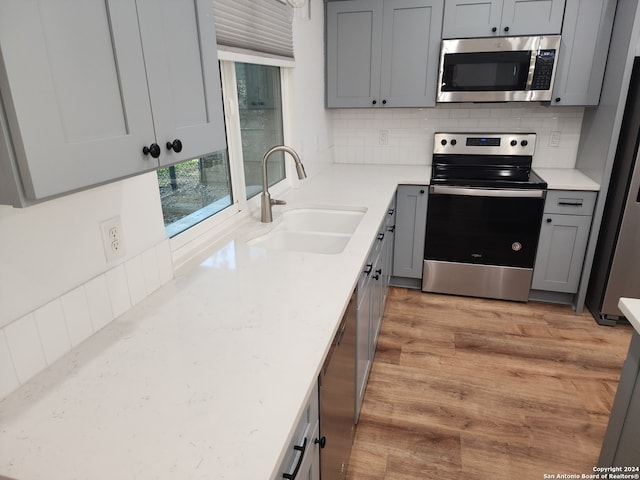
(266, 215)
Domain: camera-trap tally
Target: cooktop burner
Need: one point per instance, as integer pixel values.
(485, 160)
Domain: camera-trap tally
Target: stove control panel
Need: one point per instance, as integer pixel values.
(485, 143)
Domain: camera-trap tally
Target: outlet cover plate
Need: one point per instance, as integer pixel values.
(112, 239)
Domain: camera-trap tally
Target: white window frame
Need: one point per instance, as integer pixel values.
(188, 244)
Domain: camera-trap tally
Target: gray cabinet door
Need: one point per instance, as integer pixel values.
(411, 32)
(179, 42)
(382, 53)
(561, 249)
(411, 224)
(532, 17)
(75, 93)
(354, 42)
(363, 336)
(88, 84)
(583, 52)
(483, 18)
(463, 18)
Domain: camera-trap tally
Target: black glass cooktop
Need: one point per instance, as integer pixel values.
(493, 171)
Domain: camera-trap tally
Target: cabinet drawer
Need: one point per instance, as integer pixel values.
(304, 436)
(570, 202)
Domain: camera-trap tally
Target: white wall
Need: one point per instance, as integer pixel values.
(313, 125)
(410, 131)
(56, 287)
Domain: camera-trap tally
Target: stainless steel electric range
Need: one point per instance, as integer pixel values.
(483, 215)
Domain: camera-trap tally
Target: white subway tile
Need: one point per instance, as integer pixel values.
(488, 123)
(8, 377)
(150, 270)
(438, 112)
(165, 263)
(25, 347)
(411, 130)
(468, 123)
(99, 302)
(373, 154)
(53, 330)
(77, 315)
(118, 288)
(460, 113)
(499, 112)
(356, 141)
(135, 279)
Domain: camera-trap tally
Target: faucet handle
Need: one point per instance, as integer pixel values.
(278, 202)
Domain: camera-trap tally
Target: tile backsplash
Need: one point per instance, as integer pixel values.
(31, 343)
(404, 136)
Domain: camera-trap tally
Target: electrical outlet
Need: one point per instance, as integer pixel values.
(111, 230)
(383, 138)
(554, 139)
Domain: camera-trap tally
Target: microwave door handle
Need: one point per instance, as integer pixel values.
(532, 67)
(485, 192)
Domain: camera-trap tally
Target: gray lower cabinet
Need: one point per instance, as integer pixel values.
(371, 297)
(584, 47)
(85, 86)
(411, 224)
(363, 335)
(302, 457)
(490, 18)
(620, 447)
(382, 53)
(564, 234)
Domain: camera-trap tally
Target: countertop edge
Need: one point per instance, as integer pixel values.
(631, 309)
(566, 179)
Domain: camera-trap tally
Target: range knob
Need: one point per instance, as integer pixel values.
(443, 142)
(514, 143)
(453, 141)
(524, 143)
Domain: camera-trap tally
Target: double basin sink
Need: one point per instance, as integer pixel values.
(323, 230)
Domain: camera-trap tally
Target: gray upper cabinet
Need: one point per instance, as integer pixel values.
(583, 52)
(86, 84)
(382, 53)
(464, 18)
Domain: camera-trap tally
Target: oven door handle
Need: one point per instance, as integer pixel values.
(485, 192)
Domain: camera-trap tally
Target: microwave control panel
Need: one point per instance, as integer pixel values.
(543, 70)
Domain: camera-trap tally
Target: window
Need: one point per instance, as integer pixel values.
(260, 109)
(197, 189)
(194, 190)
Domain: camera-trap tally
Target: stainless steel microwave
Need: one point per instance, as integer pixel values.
(498, 69)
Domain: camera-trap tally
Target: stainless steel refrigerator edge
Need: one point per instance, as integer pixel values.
(616, 266)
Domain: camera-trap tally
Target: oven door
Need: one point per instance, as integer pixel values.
(481, 242)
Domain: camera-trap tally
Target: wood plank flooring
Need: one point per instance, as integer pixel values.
(465, 388)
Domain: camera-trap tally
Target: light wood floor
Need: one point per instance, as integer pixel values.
(466, 388)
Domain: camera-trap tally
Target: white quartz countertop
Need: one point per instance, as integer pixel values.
(206, 377)
(566, 179)
(631, 309)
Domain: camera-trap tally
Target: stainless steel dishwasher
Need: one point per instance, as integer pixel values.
(337, 399)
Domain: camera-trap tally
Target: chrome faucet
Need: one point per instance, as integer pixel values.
(265, 199)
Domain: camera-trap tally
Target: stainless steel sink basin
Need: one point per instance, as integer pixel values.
(312, 230)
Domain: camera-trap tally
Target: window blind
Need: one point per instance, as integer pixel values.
(262, 26)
